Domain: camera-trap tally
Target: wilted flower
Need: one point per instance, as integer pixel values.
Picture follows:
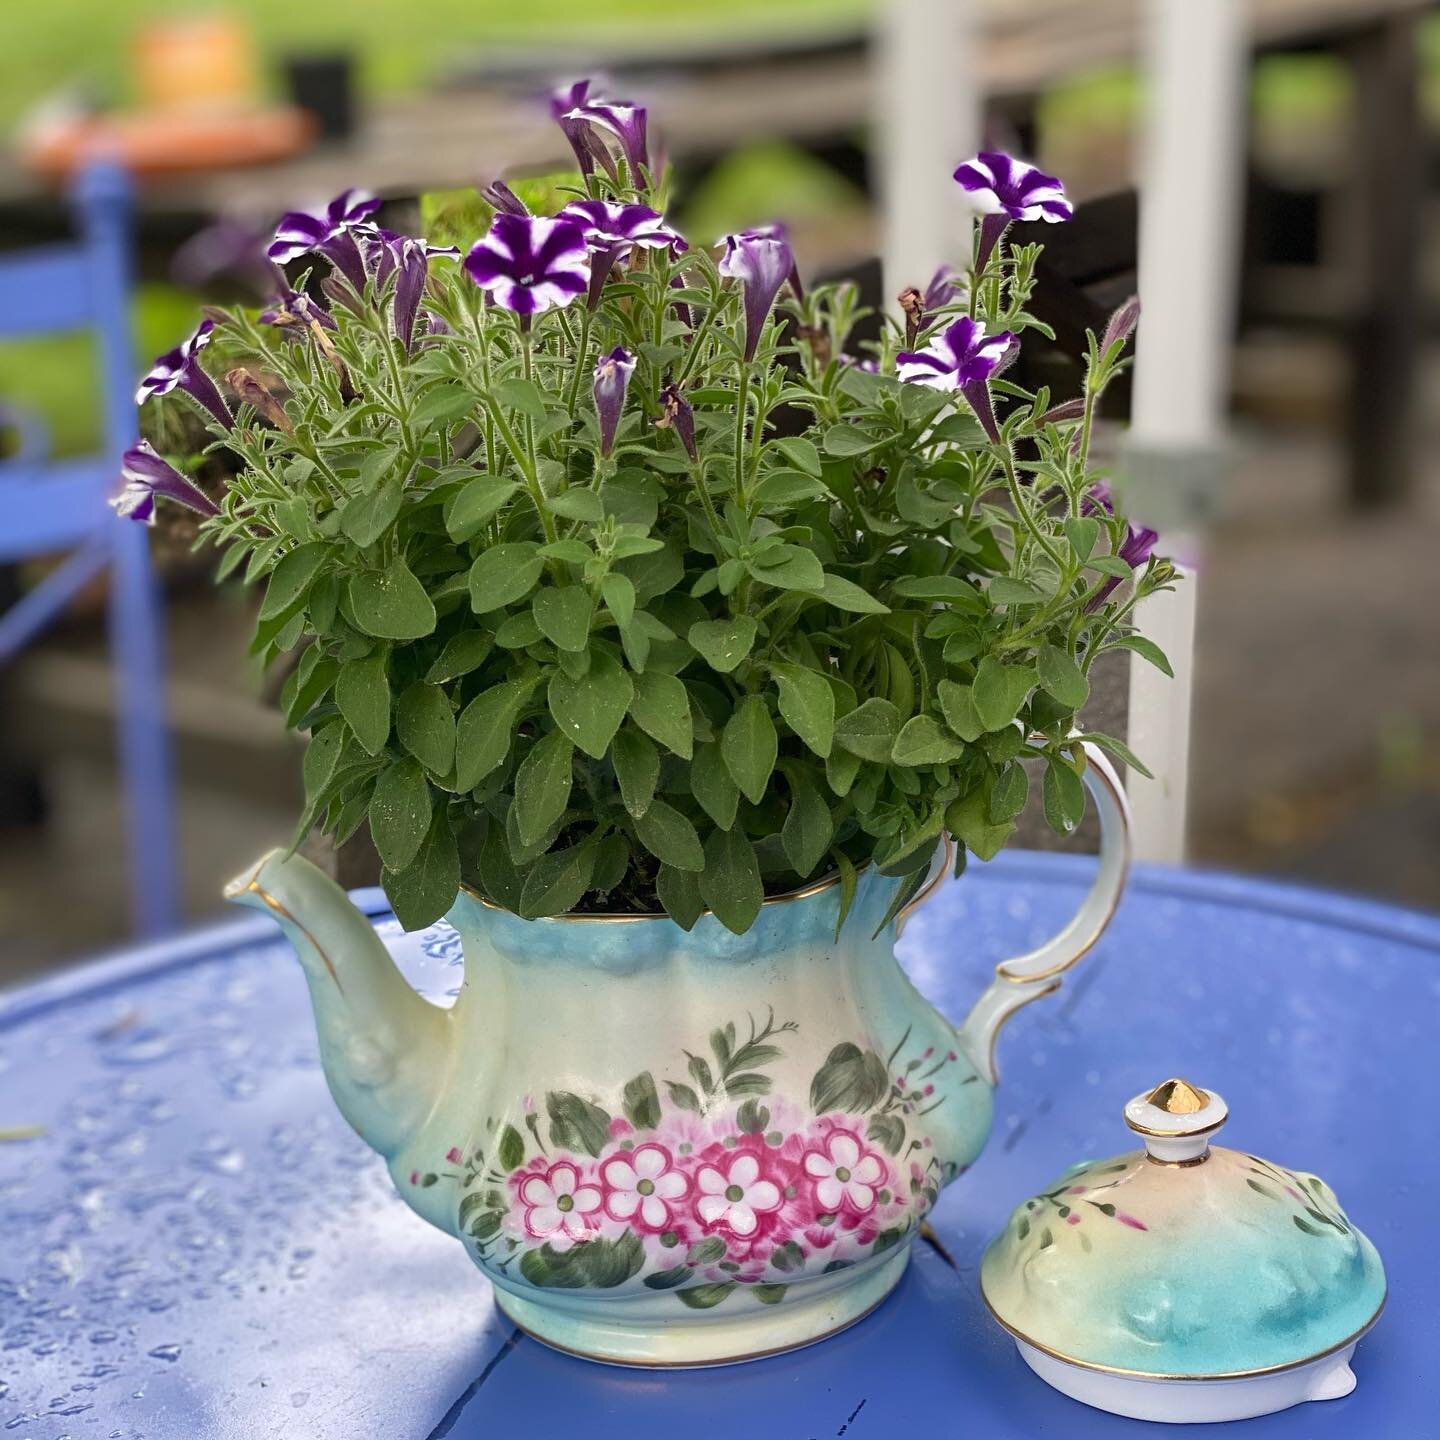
(146, 474)
(912, 306)
(179, 369)
(762, 261)
(677, 414)
(293, 310)
(612, 230)
(255, 392)
(962, 358)
(1003, 189)
(612, 380)
(329, 232)
(527, 263)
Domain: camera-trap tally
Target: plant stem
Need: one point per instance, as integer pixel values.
(1022, 510)
(582, 355)
(742, 402)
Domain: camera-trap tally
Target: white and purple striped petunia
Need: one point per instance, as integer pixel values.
(294, 311)
(762, 261)
(179, 369)
(962, 357)
(947, 287)
(527, 263)
(613, 229)
(1003, 189)
(329, 231)
(612, 380)
(622, 121)
(677, 414)
(146, 474)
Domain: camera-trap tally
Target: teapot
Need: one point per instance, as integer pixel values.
(666, 1147)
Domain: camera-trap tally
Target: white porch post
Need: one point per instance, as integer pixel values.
(927, 105)
(1195, 69)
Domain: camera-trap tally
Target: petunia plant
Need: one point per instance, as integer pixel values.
(614, 574)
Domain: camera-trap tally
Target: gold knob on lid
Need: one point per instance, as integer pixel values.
(1177, 1120)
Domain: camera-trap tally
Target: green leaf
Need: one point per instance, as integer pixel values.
(851, 1079)
(661, 708)
(400, 813)
(808, 828)
(1061, 677)
(1012, 789)
(957, 703)
(363, 694)
(886, 1130)
(1082, 531)
(711, 785)
(637, 768)
(679, 892)
(564, 616)
(425, 725)
(511, 1150)
(668, 1279)
(291, 578)
(706, 1251)
(807, 705)
(518, 631)
(589, 709)
(426, 888)
(968, 820)
(391, 605)
(846, 440)
(789, 567)
(557, 880)
(484, 732)
(1111, 565)
(618, 592)
(670, 837)
(935, 587)
(749, 746)
(1064, 795)
(730, 882)
(869, 730)
(442, 405)
(1146, 650)
(463, 653)
(366, 517)
(476, 505)
(542, 786)
(723, 643)
(522, 395)
(924, 741)
(800, 453)
(504, 574)
(640, 1102)
(999, 691)
(1120, 750)
(846, 595)
(1003, 590)
(704, 1297)
(576, 1124)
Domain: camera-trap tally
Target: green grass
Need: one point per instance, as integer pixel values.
(401, 44)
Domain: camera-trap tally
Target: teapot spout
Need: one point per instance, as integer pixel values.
(385, 1050)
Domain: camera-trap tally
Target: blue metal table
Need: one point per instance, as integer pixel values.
(194, 1244)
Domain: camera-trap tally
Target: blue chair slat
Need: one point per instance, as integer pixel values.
(57, 506)
(43, 292)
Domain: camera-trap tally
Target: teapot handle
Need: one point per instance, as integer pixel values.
(1028, 977)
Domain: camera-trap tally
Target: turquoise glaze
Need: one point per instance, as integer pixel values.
(666, 1147)
(1207, 1264)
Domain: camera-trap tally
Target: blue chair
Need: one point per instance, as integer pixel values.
(49, 507)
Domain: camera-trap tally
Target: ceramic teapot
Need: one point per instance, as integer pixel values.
(671, 1148)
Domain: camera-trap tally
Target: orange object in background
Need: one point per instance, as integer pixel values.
(196, 83)
(201, 61)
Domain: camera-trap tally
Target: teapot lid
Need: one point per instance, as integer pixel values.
(1184, 1259)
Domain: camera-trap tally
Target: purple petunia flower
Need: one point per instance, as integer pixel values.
(499, 196)
(408, 260)
(329, 232)
(612, 380)
(1003, 189)
(527, 263)
(179, 369)
(677, 414)
(612, 230)
(622, 121)
(564, 98)
(1135, 549)
(961, 358)
(146, 474)
(762, 261)
(947, 287)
